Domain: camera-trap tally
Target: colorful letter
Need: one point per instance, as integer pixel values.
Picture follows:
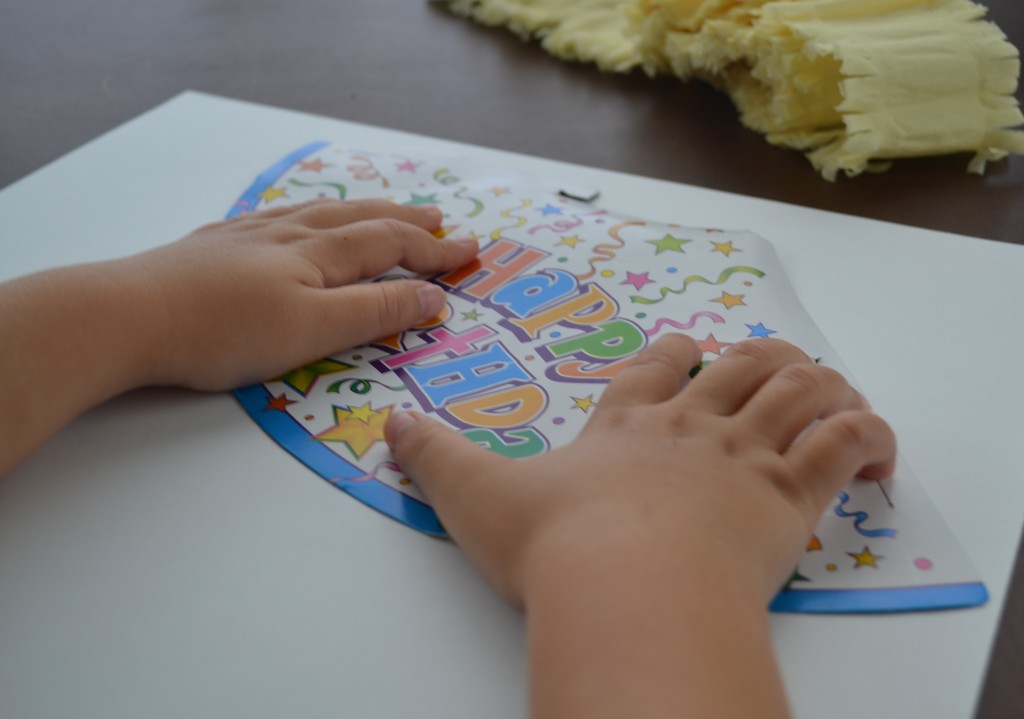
(439, 340)
(515, 443)
(442, 381)
(525, 294)
(494, 266)
(590, 308)
(506, 408)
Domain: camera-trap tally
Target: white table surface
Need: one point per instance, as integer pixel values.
(161, 557)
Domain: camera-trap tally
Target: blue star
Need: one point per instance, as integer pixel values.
(759, 330)
(549, 209)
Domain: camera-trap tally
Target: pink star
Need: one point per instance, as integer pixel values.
(637, 280)
(407, 166)
(710, 344)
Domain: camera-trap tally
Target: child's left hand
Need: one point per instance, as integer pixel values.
(242, 300)
(234, 302)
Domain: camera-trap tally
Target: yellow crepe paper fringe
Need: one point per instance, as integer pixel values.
(852, 83)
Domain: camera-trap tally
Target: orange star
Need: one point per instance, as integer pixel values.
(710, 344)
(358, 435)
(279, 403)
(730, 301)
(313, 165)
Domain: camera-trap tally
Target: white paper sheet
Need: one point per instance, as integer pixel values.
(153, 561)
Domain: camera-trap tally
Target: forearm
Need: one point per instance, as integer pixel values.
(70, 338)
(621, 636)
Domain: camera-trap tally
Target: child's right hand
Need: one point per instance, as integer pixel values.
(665, 528)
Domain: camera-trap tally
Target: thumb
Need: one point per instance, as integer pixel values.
(446, 466)
(380, 309)
(473, 497)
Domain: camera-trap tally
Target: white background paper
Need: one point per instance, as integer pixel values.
(162, 558)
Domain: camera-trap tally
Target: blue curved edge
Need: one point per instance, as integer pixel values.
(867, 601)
(251, 197)
(288, 433)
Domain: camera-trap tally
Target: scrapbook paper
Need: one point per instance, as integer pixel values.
(564, 293)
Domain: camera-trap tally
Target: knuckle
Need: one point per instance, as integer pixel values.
(759, 352)
(390, 304)
(803, 377)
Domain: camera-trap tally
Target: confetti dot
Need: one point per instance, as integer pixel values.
(404, 480)
(830, 567)
(598, 222)
(406, 405)
(922, 563)
(748, 283)
(556, 335)
(671, 270)
(530, 358)
(309, 417)
(563, 259)
(607, 273)
(641, 315)
(558, 420)
(321, 194)
(357, 357)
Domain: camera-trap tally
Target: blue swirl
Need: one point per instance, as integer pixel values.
(860, 518)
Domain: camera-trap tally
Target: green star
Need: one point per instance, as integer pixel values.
(302, 378)
(668, 243)
(471, 315)
(430, 199)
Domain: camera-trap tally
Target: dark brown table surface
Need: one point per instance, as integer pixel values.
(71, 70)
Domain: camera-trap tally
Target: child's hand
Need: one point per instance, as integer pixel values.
(664, 462)
(246, 299)
(646, 551)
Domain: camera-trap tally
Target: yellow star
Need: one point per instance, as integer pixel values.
(570, 241)
(865, 558)
(584, 403)
(730, 301)
(725, 248)
(360, 435)
(499, 191)
(272, 193)
(362, 414)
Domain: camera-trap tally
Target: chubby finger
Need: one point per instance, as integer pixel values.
(730, 381)
(335, 213)
(654, 375)
(792, 398)
(369, 248)
(847, 444)
(361, 313)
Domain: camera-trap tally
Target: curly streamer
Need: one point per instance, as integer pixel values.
(860, 518)
(338, 187)
(604, 252)
(717, 319)
(362, 386)
(726, 274)
(445, 176)
(478, 206)
(507, 214)
(367, 171)
(372, 474)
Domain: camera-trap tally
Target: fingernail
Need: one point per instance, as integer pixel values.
(431, 301)
(466, 242)
(396, 425)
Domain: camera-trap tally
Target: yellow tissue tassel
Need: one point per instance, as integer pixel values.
(853, 83)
